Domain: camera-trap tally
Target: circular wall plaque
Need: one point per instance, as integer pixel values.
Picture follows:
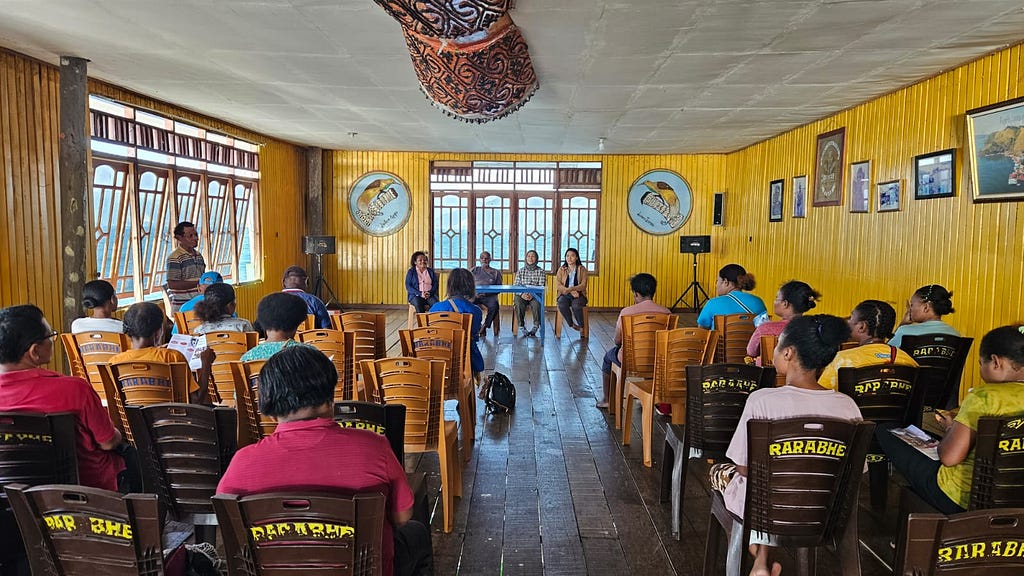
(659, 202)
(379, 203)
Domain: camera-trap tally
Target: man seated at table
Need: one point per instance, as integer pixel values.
(529, 275)
(310, 452)
(484, 275)
(643, 286)
(294, 282)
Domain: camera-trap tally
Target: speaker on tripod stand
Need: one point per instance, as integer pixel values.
(317, 246)
(694, 245)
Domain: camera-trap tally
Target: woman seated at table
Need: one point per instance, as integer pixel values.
(870, 323)
(793, 299)
(946, 484)
(731, 285)
(805, 346)
(925, 310)
(217, 309)
(571, 284)
(421, 282)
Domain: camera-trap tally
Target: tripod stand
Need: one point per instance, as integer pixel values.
(321, 281)
(698, 291)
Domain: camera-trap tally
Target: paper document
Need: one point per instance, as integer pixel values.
(191, 347)
(918, 439)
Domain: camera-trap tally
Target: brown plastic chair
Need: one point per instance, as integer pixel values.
(715, 397)
(978, 542)
(584, 330)
(74, 357)
(674, 350)
(185, 449)
(338, 346)
(80, 531)
(251, 424)
(805, 498)
(370, 330)
(282, 534)
(453, 321)
(95, 348)
(229, 346)
(734, 332)
(418, 385)
(186, 321)
(941, 359)
(885, 393)
(446, 344)
(768, 344)
(637, 354)
(998, 480)
(142, 383)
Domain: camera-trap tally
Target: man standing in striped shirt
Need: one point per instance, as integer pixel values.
(529, 275)
(184, 266)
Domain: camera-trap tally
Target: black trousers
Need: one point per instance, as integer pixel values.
(414, 553)
(920, 471)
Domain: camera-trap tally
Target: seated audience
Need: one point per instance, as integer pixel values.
(731, 297)
(529, 275)
(279, 315)
(946, 484)
(461, 291)
(571, 285)
(217, 311)
(793, 299)
(806, 345)
(925, 310)
(310, 452)
(144, 325)
(98, 296)
(484, 275)
(421, 282)
(870, 323)
(26, 346)
(205, 281)
(643, 286)
(294, 282)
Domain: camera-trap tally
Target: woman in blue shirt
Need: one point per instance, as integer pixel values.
(732, 282)
(461, 292)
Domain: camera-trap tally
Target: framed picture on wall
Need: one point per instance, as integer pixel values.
(935, 175)
(997, 163)
(799, 196)
(890, 195)
(828, 168)
(775, 189)
(860, 186)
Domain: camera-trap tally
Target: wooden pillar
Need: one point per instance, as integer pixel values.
(73, 154)
(314, 200)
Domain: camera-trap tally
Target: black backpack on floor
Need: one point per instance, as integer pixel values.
(501, 394)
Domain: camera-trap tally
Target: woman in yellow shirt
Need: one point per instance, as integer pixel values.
(871, 323)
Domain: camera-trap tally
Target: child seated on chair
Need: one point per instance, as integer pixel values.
(946, 484)
(279, 316)
(806, 345)
(98, 297)
(144, 325)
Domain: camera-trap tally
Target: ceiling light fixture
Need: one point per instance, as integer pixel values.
(600, 144)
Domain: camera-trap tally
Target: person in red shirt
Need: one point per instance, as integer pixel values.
(310, 452)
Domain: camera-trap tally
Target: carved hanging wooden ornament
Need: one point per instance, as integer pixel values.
(472, 62)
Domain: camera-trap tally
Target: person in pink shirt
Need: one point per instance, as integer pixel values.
(643, 286)
(421, 282)
(793, 299)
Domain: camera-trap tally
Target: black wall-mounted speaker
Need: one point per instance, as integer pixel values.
(694, 244)
(718, 212)
(318, 244)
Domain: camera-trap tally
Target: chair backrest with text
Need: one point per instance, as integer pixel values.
(941, 359)
(387, 420)
(674, 351)
(38, 448)
(734, 332)
(80, 531)
(453, 321)
(95, 348)
(978, 542)
(290, 533)
(437, 344)
(229, 346)
(142, 382)
(885, 393)
(716, 395)
(339, 347)
(998, 480)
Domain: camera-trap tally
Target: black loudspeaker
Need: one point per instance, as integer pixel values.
(718, 212)
(318, 244)
(694, 244)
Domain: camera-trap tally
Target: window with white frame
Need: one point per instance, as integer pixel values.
(507, 208)
(151, 172)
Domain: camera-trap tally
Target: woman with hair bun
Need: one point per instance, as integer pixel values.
(925, 310)
(98, 297)
(793, 299)
(731, 286)
(807, 344)
(871, 323)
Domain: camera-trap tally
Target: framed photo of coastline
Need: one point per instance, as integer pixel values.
(860, 186)
(997, 160)
(775, 189)
(890, 195)
(829, 161)
(935, 175)
(799, 196)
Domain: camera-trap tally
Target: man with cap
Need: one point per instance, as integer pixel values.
(205, 280)
(294, 282)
